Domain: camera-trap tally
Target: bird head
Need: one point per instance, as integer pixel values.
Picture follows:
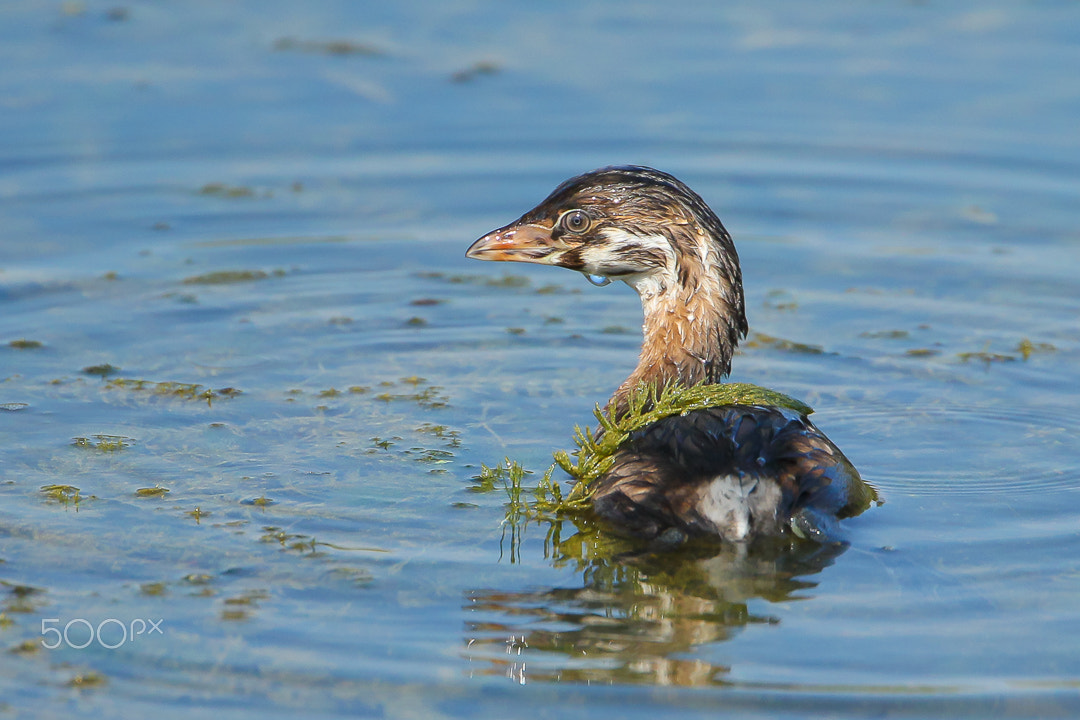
(626, 223)
(653, 232)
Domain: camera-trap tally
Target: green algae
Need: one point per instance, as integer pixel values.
(781, 300)
(503, 281)
(224, 277)
(26, 647)
(217, 189)
(104, 443)
(154, 589)
(477, 69)
(429, 397)
(87, 680)
(24, 344)
(198, 514)
(101, 370)
(1026, 348)
(885, 334)
(183, 391)
(151, 492)
(328, 47)
(62, 494)
(761, 340)
(985, 357)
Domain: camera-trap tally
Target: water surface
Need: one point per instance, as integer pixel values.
(247, 376)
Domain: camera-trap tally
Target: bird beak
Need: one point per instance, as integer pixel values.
(517, 242)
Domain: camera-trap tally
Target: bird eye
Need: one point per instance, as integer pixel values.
(575, 221)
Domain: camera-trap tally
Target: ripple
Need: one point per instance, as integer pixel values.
(959, 449)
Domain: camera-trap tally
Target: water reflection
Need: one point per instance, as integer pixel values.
(636, 617)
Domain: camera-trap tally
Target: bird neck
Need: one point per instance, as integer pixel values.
(693, 319)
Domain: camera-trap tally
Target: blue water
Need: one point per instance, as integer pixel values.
(901, 181)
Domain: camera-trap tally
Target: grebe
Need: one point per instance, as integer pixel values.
(734, 471)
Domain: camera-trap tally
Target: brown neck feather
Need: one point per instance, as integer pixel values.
(694, 318)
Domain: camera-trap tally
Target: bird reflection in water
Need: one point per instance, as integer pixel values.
(635, 617)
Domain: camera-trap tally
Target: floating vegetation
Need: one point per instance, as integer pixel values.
(223, 277)
(14, 406)
(62, 494)
(21, 591)
(761, 340)
(426, 302)
(356, 576)
(428, 397)
(416, 322)
(261, 501)
(104, 443)
(327, 47)
(781, 300)
(886, 334)
(185, 391)
(156, 491)
(87, 680)
(477, 69)
(510, 476)
(439, 457)
(272, 534)
(506, 281)
(250, 597)
(226, 191)
(442, 432)
(153, 589)
(329, 392)
(550, 289)
(1026, 348)
(985, 357)
(101, 370)
(198, 514)
(515, 330)
(358, 389)
(26, 647)
(922, 352)
(24, 344)
(615, 330)
(288, 541)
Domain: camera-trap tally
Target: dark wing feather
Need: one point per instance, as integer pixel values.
(661, 472)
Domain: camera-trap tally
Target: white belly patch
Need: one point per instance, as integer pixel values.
(736, 504)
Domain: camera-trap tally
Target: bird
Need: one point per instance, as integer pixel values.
(733, 472)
